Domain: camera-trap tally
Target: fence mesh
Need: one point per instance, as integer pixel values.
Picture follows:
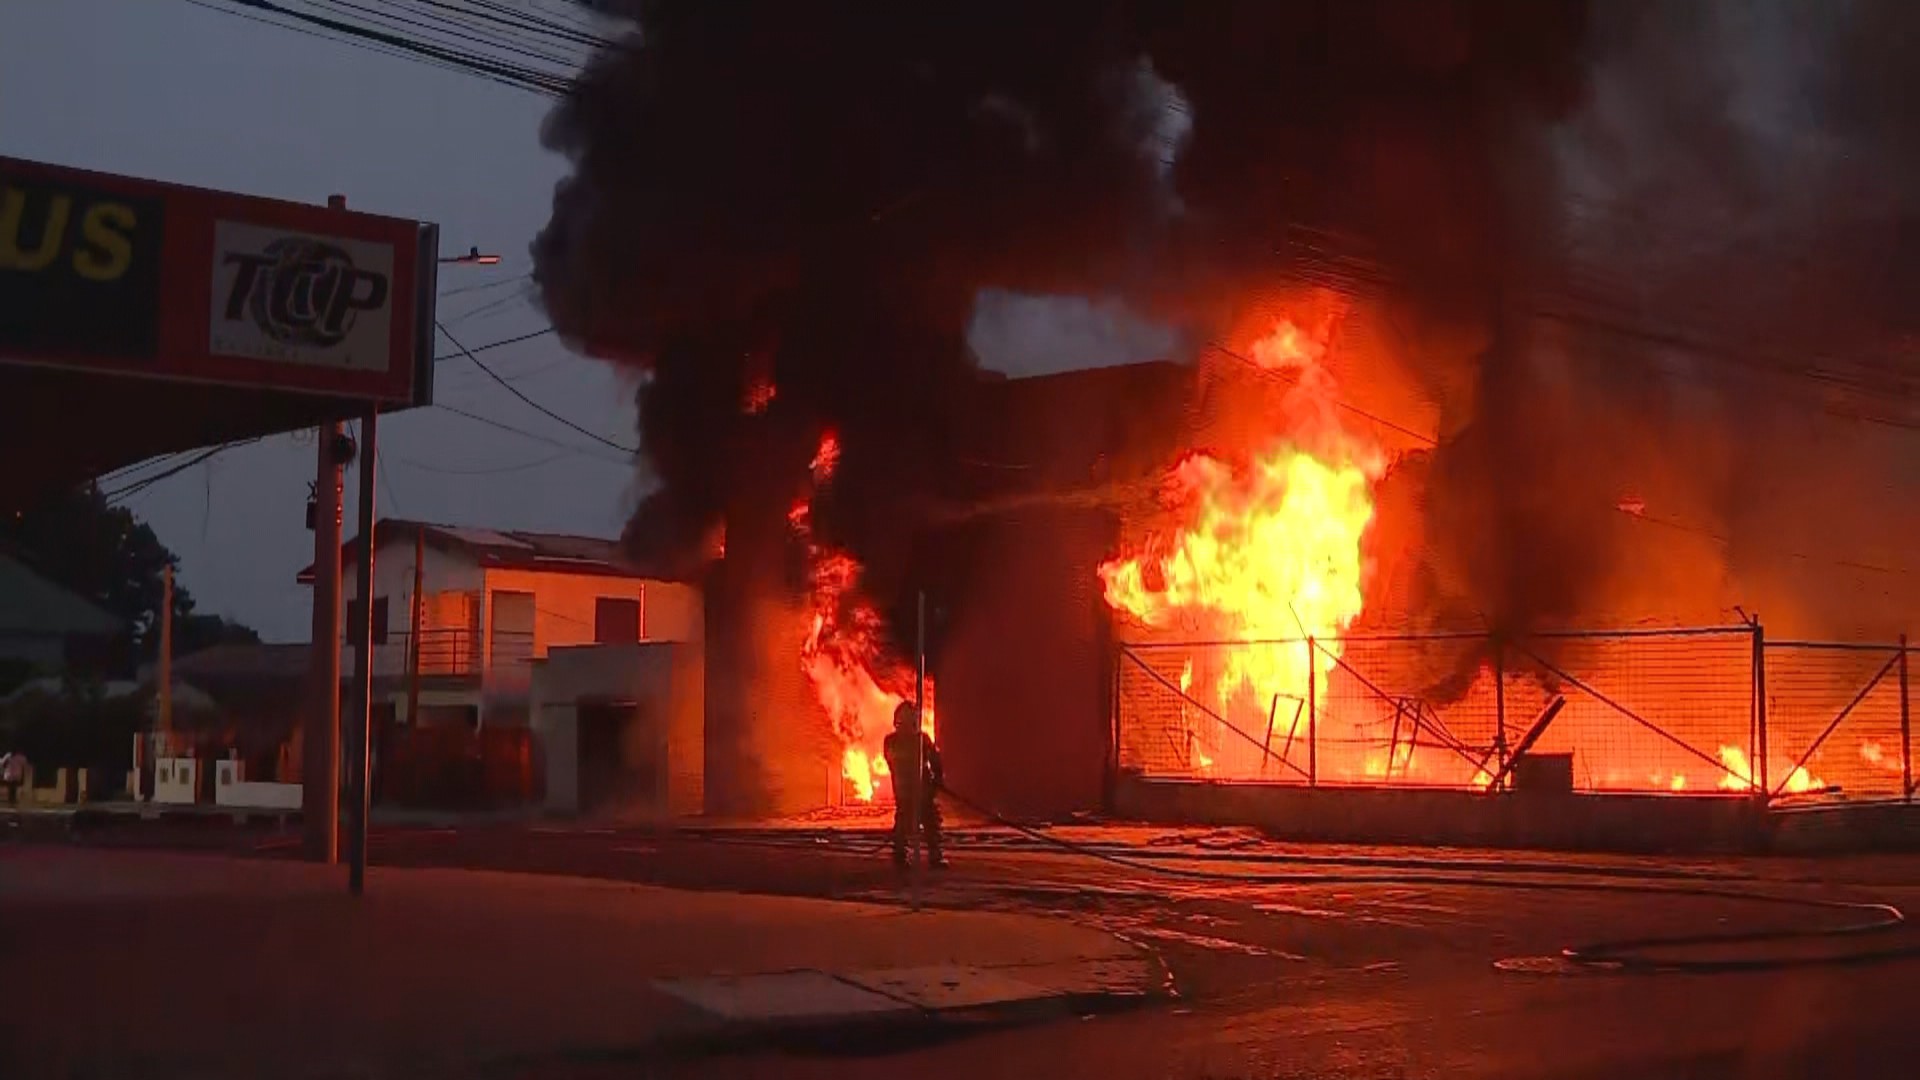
(1643, 711)
(1834, 712)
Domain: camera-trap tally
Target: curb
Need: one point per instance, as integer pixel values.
(890, 1008)
(909, 1027)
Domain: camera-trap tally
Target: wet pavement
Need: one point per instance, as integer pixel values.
(1297, 961)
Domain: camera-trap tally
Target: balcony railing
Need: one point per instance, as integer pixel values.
(450, 653)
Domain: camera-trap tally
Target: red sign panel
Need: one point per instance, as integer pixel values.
(117, 276)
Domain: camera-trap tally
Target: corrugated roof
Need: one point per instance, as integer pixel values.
(32, 605)
(511, 549)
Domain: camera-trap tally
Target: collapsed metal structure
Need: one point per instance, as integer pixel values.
(1703, 711)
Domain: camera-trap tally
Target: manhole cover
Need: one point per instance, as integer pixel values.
(1546, 965)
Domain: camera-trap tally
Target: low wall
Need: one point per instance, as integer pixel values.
(232, 788)
(176, 781)
(1626, 823)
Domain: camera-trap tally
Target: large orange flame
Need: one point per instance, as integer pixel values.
(856, 682)
(1265, 551)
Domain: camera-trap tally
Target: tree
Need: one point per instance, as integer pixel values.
(106, 554)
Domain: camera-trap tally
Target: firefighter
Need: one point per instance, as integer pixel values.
(914, 762)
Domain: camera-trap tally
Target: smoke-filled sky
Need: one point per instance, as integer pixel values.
(1747, 167)
(178, 92)
(1625, 248)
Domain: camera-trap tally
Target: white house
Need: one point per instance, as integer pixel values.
(492, 603)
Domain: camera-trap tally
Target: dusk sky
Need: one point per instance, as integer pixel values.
(179, 92)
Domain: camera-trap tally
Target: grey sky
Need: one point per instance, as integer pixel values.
(173, 91)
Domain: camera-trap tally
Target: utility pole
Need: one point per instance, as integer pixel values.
(362, 630)
(320, 747)
(166, 655)
(413, 628)
(919, 785)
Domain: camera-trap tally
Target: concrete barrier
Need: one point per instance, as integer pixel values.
(1626, 823)
(232, 788)
(176, 781)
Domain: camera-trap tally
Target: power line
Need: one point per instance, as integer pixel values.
(506, 72)
(349, 42)
(493, 13)
(523, 467)
(536, 406)
(396, 21)
(467, 354)
(495, 304)
(485, 285)
(525, 434)
(1294, 380)
(144, 483)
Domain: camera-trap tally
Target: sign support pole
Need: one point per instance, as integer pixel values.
(320, 749)
(362, 760)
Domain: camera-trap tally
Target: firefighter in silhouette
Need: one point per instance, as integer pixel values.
(914, 762)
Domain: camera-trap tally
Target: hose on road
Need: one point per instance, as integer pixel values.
(1630, 955)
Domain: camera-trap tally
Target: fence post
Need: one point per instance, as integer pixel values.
(1499, 704)
(1760, 708)
(1906, 730)
(1313, 717)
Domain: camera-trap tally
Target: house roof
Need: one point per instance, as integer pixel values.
(31, 605)
(249, 661)
(508, 549)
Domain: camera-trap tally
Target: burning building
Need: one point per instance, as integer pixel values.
(1453, 390)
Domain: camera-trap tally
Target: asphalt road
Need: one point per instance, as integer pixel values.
(1364, 963)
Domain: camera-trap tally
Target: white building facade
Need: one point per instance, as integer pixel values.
(491, 604)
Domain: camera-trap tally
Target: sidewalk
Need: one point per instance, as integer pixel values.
(139, 964)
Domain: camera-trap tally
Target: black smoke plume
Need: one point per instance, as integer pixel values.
(815, 194)
(1573, 216)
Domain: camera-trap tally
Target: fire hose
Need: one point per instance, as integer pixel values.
(1625, 955)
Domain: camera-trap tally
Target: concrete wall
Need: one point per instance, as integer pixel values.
(1025, 671)
(564, 616)
(442, 572)
(663, 681)
(1635, 823)
(232, 788)
(176, 781)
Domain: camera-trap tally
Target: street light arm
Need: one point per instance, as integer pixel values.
(472, 256)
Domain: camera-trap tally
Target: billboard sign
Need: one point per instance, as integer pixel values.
(114, 276)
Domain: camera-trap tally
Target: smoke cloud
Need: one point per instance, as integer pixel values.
(1609, 242)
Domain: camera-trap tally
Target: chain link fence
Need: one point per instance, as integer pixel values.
(1676, 712)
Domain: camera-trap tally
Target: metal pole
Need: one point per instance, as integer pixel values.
(1760, 707)
(320, 749)
(413, 627)
(1906, 729)
(166, 652)
(919, 743)
(1500, 702)
(1313, 718)
(362, 631)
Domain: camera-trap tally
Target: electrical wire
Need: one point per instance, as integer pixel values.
(144, 483)
(213, 6)
(523, 467)
(525, 434)
(399, 22)
(536, 406)
(481, 10)
(505, 72)
(467, 354)
(485, 285)
(1294, 380)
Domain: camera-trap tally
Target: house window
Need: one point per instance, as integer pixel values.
(616, 620)
(379, 619)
